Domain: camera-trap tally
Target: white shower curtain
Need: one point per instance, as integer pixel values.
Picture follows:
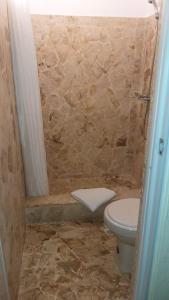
(28, 98)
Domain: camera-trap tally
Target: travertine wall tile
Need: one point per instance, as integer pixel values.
(11, 175)
(140, 110)
(91, 71)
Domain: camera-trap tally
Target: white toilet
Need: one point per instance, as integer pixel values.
(121, 218)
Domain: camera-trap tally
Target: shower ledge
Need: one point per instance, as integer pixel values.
(56, 199)
(64, 208)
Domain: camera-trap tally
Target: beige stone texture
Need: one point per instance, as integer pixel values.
(91, 71)
(140, 110)
(11, 174)
(63, 207)
(71, 261)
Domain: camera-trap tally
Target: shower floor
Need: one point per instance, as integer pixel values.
(70, 261)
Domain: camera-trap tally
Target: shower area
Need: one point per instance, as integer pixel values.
(95, 76)
(92, 72)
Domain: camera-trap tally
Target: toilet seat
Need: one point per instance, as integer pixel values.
(123, 213)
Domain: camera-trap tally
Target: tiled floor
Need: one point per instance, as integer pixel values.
(71, 261)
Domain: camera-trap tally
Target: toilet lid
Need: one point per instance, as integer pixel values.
(125, 212)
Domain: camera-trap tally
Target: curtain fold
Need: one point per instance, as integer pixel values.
(28, 98)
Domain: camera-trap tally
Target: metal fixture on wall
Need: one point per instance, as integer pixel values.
(144, 98)
(156, 8)
(148, 97)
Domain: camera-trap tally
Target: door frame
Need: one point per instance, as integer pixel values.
(153, 241)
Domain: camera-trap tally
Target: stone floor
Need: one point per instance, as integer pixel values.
(70, 261)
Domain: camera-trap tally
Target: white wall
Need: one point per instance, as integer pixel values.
(115, 8)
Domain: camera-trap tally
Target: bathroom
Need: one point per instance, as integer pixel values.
(77, 89)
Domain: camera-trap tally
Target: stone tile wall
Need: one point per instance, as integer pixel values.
(91, 71)
(11, 173)
(140, 110)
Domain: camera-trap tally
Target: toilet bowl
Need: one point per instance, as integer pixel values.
(121, 218)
